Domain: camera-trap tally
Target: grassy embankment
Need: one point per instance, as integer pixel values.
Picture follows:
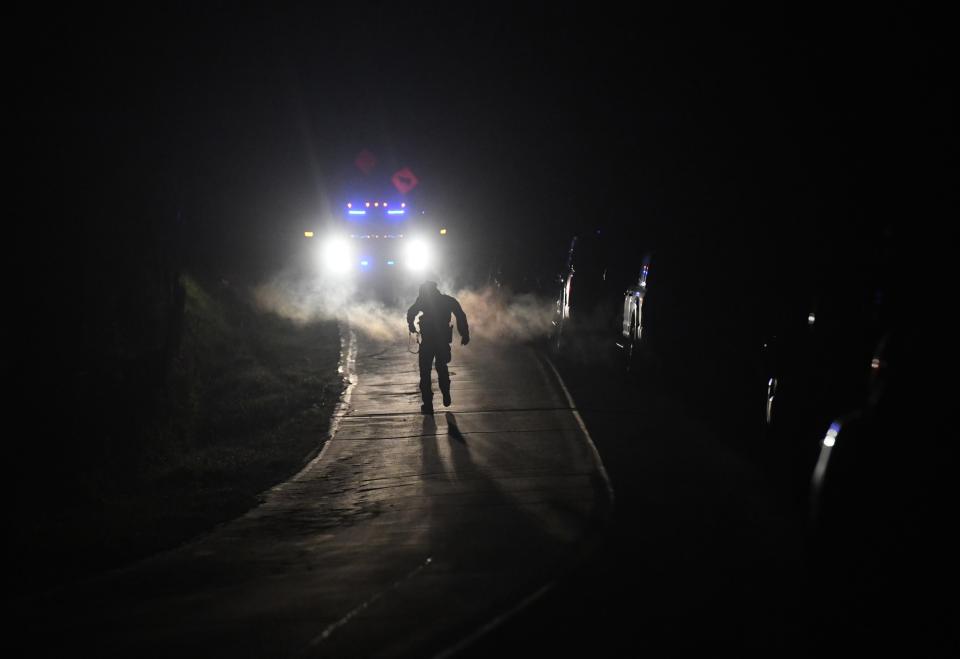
(243, 403)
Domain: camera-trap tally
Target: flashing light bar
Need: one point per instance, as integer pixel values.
(396, 212)
(357, 212)
(403, 204)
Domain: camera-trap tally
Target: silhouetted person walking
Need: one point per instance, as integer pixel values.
(436, 334)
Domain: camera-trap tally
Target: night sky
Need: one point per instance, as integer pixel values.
(540, 117)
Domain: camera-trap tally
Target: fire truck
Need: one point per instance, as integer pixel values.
(380, 244)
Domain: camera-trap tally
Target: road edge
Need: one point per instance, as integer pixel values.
(526, 602)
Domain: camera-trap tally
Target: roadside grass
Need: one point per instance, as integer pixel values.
(244, 404)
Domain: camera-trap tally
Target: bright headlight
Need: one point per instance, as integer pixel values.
(336, 255)
(417, 254)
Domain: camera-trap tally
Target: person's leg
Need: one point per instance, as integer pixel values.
(426, 388)
(443, 373)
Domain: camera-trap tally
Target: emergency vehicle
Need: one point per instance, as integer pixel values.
(379, 242)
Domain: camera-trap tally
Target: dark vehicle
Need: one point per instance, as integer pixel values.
(599, 304)
(631, 325)
(849, 476)
(818, 355)
(880, 533)
(583, 302)
(850, 435)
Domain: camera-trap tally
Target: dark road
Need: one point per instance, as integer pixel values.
(488, 529)
(706, 553)
(403, 537)
(700, 557)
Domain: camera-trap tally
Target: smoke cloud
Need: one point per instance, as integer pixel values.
(494, 313)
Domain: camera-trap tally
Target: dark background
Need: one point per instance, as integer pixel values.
(760, 155)
(228, 125)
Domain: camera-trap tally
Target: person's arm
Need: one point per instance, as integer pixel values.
(412, 315)
(463, 329)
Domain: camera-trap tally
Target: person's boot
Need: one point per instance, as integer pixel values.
(444, 382)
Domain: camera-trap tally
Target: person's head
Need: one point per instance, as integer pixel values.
(429, 288)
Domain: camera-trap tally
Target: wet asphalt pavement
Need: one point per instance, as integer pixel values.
(406, 535)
